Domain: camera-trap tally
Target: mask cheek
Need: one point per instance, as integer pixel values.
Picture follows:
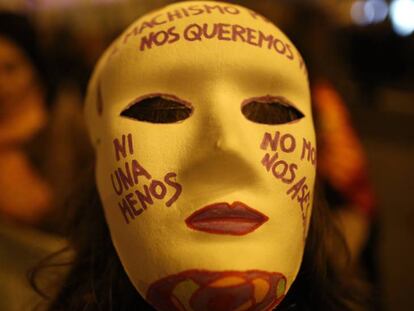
(130, 187)
(289, 162)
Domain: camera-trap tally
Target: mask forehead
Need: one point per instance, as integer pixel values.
(240, 47)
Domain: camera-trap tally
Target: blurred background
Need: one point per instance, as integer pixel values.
(360, 57)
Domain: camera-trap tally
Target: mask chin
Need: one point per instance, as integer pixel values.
(220, 290)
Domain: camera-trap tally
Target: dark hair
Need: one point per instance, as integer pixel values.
(20, 30)
(97, 281)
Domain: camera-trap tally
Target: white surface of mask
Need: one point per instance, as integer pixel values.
(201, 120)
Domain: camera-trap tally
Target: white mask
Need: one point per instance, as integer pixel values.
(207, 202)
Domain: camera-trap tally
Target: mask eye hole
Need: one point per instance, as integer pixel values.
(270, 110)
(158, 109)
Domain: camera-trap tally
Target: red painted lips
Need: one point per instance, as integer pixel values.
(223, 218)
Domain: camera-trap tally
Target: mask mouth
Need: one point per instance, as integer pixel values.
(224, 218)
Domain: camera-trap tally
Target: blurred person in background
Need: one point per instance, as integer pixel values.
(25, 196)
(42, 80)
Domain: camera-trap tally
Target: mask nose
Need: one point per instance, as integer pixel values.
(226, 134)
(220, 144)
(218, 173)
(222, 164)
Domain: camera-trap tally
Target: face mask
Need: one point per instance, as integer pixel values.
(201, 120)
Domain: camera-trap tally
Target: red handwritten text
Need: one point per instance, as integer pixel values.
(221, 32)
(128, 176)
(308, 152)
